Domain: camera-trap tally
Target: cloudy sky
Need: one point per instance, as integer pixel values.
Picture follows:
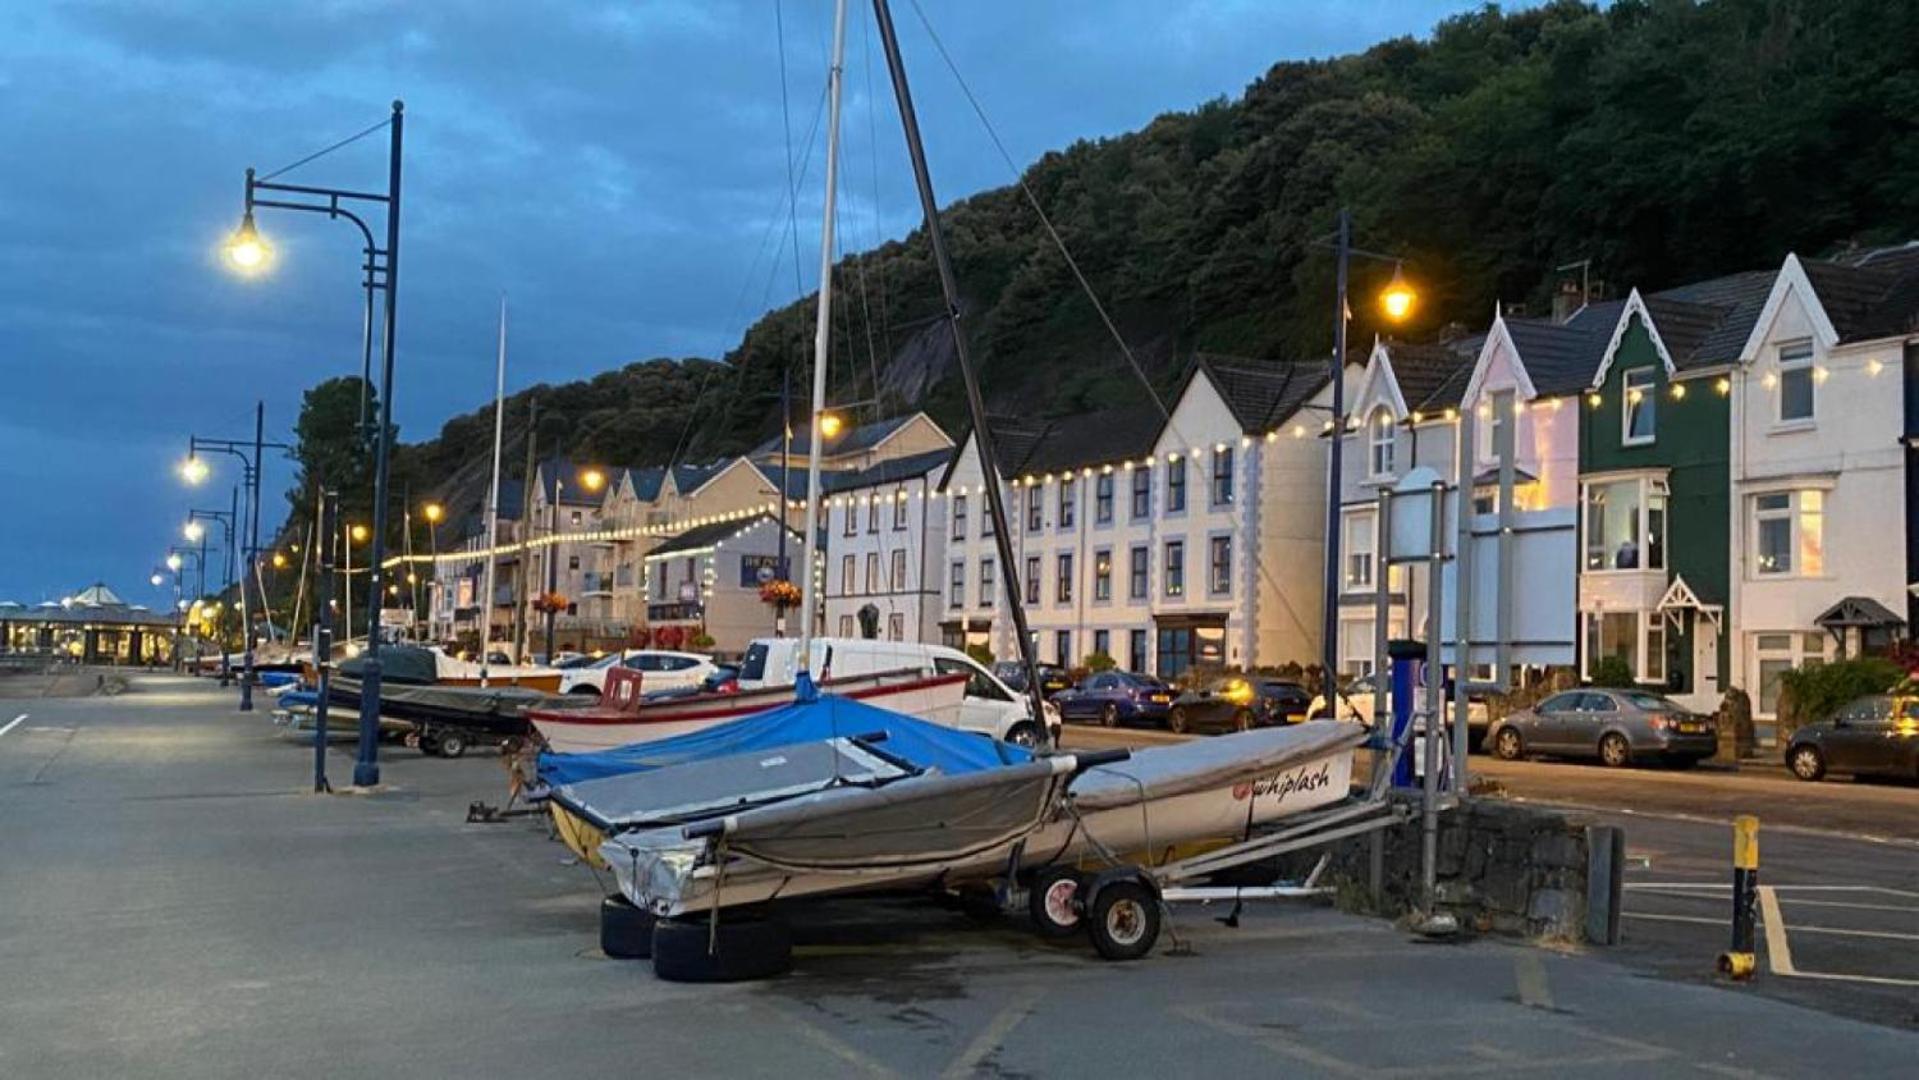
(617, 169)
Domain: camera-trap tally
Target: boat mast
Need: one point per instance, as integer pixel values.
(493, 498)
(822, 330)
(976, 406)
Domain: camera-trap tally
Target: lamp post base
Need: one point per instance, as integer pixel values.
(366, 770)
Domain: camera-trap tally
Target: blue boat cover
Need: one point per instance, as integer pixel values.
(300, 697)
(278, 678)
(812, 717)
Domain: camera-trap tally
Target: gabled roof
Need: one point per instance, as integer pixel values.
(700, 537)
(1431, 377)
(1262, 394)
(792, 481)
(1705, 323)
(1037, 447)
(1560, 358)
(860, 439)
(1861, 611)
(1870, 293)
(690, 478)
(890, 471)
(646, 482)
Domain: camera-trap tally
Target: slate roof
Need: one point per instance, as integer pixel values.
(795, 477)
(572, 493)
(1431, 377)
(688, 477)
(1262, 394)
(1706, 323)
(1037, 447)
(889, 471)
(647, 482)
(1560, 358)
(861, 438)
(1858, 611)
(705, 536)
(1869, 293)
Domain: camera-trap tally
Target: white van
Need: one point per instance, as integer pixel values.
(989, 708)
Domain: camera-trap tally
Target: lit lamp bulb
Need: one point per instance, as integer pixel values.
(246, 250)
(156, 580)
(358, 533)
(1398, 299)
(831, 425)
(433, 513)
(592, 479)
(173, 563)
(193, 470)
(279, 561)
(194, 530)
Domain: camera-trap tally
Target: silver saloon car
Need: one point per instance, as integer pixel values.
(1616, 726)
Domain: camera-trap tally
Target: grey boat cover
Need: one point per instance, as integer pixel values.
(1202, 764)
(928, 819)
(707, 788)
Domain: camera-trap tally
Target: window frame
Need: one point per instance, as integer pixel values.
(959, 517)
(1793, 358)
(1142, 492)
(1067, 515)
(1139, 572)
(1035, 509)
(956, 584)
(1032, 580)
(852, 525)
(849, 574)
(872, 573)
(1648, 556)
(1103, 499)
(1175, 485)
(896, 572)
(1796, 514)
(1102, 575)
(899, 510)
(1647, 405)
(988, 581)
(1357, 525)
(873, 514)
(1382, 445)
(1063, 578)
(1173, 575)
(1219, 571)
(1221, 492)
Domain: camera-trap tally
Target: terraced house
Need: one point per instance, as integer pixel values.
(1163, 541)
(1655, 488)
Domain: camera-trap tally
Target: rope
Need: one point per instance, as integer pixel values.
(322, 153)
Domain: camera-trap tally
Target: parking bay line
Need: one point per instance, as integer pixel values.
(14, 723)
(989, 1040)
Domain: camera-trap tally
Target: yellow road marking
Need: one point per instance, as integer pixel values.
(990, 1038)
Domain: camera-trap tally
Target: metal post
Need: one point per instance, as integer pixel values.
(1329, 627)
(366, 771)
(1503, 440)
(975, 403)
(1462, 602)
(252, 553)
(553, 559)
(822, 340)
(786, 466)
(1430, 710)
(323, 635)
(1382, 615)
(1739, 962)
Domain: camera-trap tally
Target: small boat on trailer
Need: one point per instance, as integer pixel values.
(624, 716)
(447, 707)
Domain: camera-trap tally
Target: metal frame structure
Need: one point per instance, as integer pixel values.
(250, 474)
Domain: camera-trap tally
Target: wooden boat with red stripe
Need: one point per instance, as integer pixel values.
(625, 717)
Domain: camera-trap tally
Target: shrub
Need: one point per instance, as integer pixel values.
(1810, 694)
(1098, 661)
(701, 640)
(1613, 671)
(980, 654)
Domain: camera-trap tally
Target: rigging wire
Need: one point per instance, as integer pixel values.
(356, 137)
(873, 142)
(1086, 287)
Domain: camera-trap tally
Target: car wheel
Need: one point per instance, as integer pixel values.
(741, 947)
(452, 744)
(1054, 901)
(1025, 733)
(1124, 921)
(1177, 721)
(1614, 752)
(1109, 716)
(1508, 745)
(1806, 762)
(1243, 720)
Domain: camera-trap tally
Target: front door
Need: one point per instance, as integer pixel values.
(1706, 691)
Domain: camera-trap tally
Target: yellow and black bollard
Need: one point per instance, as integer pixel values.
(1738, 963)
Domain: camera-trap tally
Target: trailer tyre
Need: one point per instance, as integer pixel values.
(626, 932)
(1054, 902)
(1124, 920)
(452, 744)
(745, 948)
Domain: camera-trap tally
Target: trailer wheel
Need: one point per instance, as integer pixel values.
(745, 948)
(1054, 901)
(452, 744)
(626, 932)
(1124, 920)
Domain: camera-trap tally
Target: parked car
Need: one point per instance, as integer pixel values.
(1052, 677)
(1876, 735)
(989, 706)
(1615, 726)
(1236, 703)
(659, 670)
(1356, 704)
(1112, 696)
(724, 680)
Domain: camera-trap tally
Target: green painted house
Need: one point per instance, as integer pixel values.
(1655, 488)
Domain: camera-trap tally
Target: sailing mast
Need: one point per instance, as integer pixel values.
(822, 329)
(493, 498)
(976, 406)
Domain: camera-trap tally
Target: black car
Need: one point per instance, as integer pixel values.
(1052, 678)
(1877, 735)
(1239, 703)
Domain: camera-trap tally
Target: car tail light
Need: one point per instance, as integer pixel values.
(1662, 723)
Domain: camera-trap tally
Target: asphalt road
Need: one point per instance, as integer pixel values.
(174, 903)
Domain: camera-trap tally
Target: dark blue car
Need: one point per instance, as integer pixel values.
(1113, 696)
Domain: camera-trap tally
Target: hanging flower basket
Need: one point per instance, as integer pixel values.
(780, 593)
(670, 637)
(640, 638)
(549, 603)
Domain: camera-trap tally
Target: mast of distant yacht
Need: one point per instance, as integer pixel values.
(493, 498)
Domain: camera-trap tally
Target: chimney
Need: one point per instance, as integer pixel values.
(1568, 299)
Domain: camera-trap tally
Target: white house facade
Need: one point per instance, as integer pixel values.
(885, 541)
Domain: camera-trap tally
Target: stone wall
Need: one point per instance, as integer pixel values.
(1503, 868)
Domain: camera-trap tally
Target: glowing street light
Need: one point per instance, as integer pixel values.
(156, 580)
(174, 562)
(194, 470)
(194, 530)
(592, 479)
(1399, 298)
(279, 561)
(358, 533)
(433, 512)
(831, 424)
(246, 250)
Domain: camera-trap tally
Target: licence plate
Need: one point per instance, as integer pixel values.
(1161, 699)
(1692, 729)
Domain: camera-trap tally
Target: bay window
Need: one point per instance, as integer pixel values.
(1625, 523)
(1788, 533)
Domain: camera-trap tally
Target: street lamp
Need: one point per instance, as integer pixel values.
(434, 514)
(245, 249)
(174, 562)
(1396, 302)
(252, 460)
(359, 534)
(831, 424)
(382, 272)
(194, 470)
(592, 479)
(229, 521)
(194, 530)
